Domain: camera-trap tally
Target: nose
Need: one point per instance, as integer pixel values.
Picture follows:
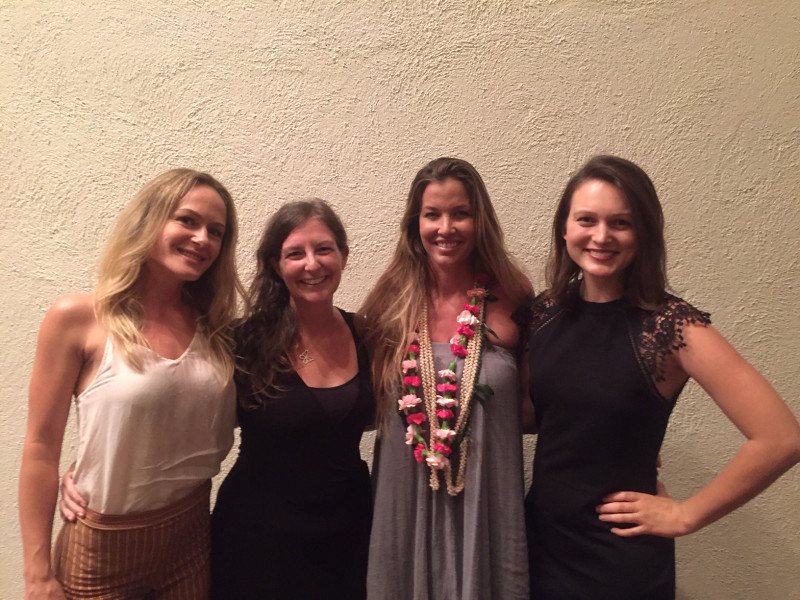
(311, 261)
(602, 233)
(200, 236)
(445, 224)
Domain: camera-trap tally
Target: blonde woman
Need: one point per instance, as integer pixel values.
(147, 359)
(448, 484)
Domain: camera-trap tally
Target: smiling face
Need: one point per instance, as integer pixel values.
(191, 239)
(600, 238)
(310, 262)
(446, 224)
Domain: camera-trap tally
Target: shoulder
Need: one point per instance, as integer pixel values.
(532, 315)
(672, 317)
(71, 315)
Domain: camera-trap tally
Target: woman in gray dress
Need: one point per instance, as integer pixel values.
(447, 477)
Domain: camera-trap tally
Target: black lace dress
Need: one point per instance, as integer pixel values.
(595, 370)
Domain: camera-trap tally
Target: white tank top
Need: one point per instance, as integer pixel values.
(146, 440)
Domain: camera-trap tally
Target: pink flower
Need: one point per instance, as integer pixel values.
(413, 348)
(408, 401)
(411, 431)
(466, 318)
(465, 331)
(473, 308)
(446, 387)
(411, 380)
(416, 418)
(436, 461)
(458, 350)
(442, 449)
(476, 293)
(446, 435)
(482, 278)
(444, 413)
(446, 402)
(408, 365)
(446, 374)
(419, 452)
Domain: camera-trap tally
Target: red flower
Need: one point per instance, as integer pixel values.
(458, 350)
(442, 449)
(413, 348)
(412, 380)
(473, 308)
(444, 413)
(467, 331)
(418, 453)
(417, 418)
(446, 387)
(482, 278)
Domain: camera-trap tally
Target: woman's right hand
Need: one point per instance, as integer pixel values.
(72, 504)
(45, 589)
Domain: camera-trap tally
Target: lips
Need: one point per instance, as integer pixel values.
(600, 254)
(191, 255)
(315, 281)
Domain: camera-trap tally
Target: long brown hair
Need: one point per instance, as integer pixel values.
(391, 310)
(269, 330)
(646, 277)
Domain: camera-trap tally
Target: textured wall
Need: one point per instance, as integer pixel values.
(346, 100)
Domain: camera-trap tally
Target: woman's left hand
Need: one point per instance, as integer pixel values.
(654, 515)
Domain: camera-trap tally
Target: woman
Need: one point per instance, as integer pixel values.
(145, 355)
(610, 351)
(448, 482)
(292, 518)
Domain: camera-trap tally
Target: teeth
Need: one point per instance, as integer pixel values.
(601, 253)
(313, 281)
(447, 244)
(191, 254)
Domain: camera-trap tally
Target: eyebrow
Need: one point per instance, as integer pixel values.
(197, 214)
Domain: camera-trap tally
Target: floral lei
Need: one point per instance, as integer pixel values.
(448, 437)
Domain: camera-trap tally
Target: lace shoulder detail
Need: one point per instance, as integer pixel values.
(661, 333)
(531, 316)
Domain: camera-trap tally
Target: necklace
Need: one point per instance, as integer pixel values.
(448, 433)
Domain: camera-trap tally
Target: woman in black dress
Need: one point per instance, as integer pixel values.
(292, 518)
(610, 351)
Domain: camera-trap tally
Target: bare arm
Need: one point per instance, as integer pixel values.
(772, 443)
(56, 368)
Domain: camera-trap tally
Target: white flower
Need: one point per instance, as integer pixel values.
(446, 402)
(467, 318)
(446, 374)
(444, 435)
(411, 431)
(436, 461)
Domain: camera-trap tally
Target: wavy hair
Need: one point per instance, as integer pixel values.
(214, 295)
(391, 310)
(269, 329)
(646, 278)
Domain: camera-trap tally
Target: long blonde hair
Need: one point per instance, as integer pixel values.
(391, 310)
(214, 294)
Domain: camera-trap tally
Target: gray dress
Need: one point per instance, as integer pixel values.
(426, 545)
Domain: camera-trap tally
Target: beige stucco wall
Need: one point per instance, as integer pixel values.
(346, 100)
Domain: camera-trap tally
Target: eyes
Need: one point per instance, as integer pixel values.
(190, 221)
(458, 214)
(299, 254)
(613, 222)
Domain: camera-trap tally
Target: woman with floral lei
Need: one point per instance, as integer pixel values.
(447, 475)
(610, 351)
(292, 517)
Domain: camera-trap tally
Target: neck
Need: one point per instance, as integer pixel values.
(607, 291)
(315, 317)
(160, 295)
(451, 282)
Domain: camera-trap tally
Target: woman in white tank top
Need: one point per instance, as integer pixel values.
(147, 358)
